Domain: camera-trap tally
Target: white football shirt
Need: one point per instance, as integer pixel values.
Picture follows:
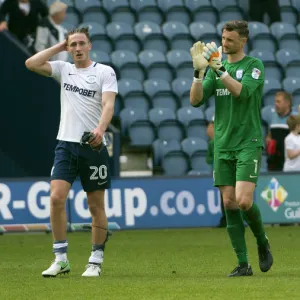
(81, 96)
(291, 142)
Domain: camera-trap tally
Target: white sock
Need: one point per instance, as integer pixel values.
(60, 256)
(96, 257)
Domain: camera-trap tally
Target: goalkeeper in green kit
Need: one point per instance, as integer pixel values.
(237, 84)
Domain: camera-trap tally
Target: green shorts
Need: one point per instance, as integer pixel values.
(233, 166)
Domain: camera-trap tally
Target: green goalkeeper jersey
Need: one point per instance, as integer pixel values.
(237, 119)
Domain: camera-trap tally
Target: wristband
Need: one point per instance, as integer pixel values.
(197, 79)
(196, 73)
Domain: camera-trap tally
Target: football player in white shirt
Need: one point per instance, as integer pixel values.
(88, 91)
(292, 145)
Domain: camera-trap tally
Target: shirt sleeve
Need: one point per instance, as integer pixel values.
(56, 67)
(208, 86)
(289, 143)
(252, 79)
(110, 81)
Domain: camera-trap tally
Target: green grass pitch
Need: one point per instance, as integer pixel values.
(172, 264)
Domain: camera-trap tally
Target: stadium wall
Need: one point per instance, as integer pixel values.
(146, 203)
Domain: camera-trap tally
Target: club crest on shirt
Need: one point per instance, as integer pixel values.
(239, 74)
(255, 73)
(91, 79)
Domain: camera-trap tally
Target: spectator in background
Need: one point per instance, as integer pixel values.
(292, 145)
(50, 32)
(23, 17)
(278, 130)
(210, 161)
(258, 8)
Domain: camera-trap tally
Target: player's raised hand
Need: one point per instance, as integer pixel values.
(199, 62)
(213, 55)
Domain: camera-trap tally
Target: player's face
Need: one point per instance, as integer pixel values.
(232, 42)
(281, 105)
(79, 47)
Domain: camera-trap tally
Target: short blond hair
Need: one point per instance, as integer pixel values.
(293, 121)
(57, 7)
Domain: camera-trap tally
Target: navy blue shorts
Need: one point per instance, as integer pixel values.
(72, 159)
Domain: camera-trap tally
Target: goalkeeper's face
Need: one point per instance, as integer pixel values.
(232, 43)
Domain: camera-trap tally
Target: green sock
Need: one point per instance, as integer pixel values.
(236, 231)
(253, 219)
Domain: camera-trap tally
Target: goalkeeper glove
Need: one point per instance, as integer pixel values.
(199, 62)
(214, 56)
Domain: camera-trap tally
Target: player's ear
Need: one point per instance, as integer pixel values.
(90, 46)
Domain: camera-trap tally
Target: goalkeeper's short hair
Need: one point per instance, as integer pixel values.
(241, 27)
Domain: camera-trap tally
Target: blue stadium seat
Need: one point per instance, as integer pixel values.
(288, 13)
(191, 145)
(286, 35)
(92, 11)
(231, 13)
(128, 64)
(73, 16)
(151, 36)
(123, 37)
(194, 120)
(141, 133)
(188, 115)
(120, 11)
(270, 88)
(178, 35)
(244, 5)
(181, 61)
(202, 11)
(170, 130)
(266, 113)
(147, 11)
(174, 10)
(198, 162)
(209, 113)
(98, 37)
(261, 38)
(175, 163)
(181, 87)
(221, 4)
(296, 4)
(158, 115)
(204, 31)
(68, 26)
(289, 61)
(161, 94)
(156, 65)
(130, 115)
(292, 86)
(161, 148)
(272, 68)
(100, 57)
(133, 94)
